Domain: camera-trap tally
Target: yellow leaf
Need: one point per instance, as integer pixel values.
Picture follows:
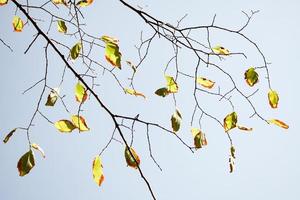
(112, 53)
(243, 128)
(3, 2)
(230, 121)
(176, 120)
(251, 76)
(38, 148)
(64, 126)
(220, 50)
(205, 82)
(61, 26)
(133, 92)
(17, 24)
(59, 2)
(84, 3)
(75, 51)
(26, 163)
(273, 98)
(134, 161)
(107, 39)
(7, 137)
(199, 138)
(52, 97)
(79, 122)
(171, 84)
(279, 123)
(80, 93)
(97, 170)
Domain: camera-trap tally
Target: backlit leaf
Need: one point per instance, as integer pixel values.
(7, 137)
(64, 126)
(134, 161)
(176, 120)
(80, 93)
(107, 39)
(133, 92)
(38, 148)
(243, 128)
(279, 123)
(232, 151)
(26, 163)
(230, 121)
(84, 3)
(112, 53)
(205, 82)
(171, 84)
(199, 138)
(273, 98)
(251, 76)
(3, 2)
(97, 170)
(79, 122)
(52, 97)
(75, 51)
(162, 92)
(220, 50)
(59, 2)
(17, 24)
(61, 26)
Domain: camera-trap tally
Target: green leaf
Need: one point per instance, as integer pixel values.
(64, 126)
(18, 24)
(79, 122)
(273, 98)
(80, 93)
(61, 26)
(52, 97)
(7, 137)
(230, 121)
(75, 51)
(171, 84)
(176, 120)
(251, 76)
(97, 170)
(134, 161)
(26, 163)
(162, 92)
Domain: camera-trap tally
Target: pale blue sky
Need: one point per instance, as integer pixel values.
(267, 164)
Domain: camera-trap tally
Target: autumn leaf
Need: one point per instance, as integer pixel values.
(230, 121)
(59, 2)
(133, 67)
(199, 138)
(134, 161)
(38, 148)
(279, 123)
(133, 92)
(79, 122)
(75, 50)
(273, 98)
(243, 128)
(220, 50)
(52, 97)
(176, 120)
(232, 159)
(80, 93)
(107, 39)
(84, 3)
(7, 137)
(97, 170)
(205, 82)
(251, 76)
(64, 126)
(18, 24)
(26, 163)
(171, 84)
(61, 26)
(112, 53)
(162, 92)
(3, 2)
(232, 152)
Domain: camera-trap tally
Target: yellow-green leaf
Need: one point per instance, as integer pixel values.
(75, 51)
(279, 123)
(273, 98)
(52, 97)
(97, 170)
(7, 137)
(79, 122)
(220, 50)
(134, 161)
(133, 92)
(84, 3)
(243, 128)
(171, 84)
(199, 138)
(3, 2)
(17, 24)
(112, 53)
(64, 126)
(230, 121)
(61, 26)
(176, 120)
(107, 39)
(26, 163)
(162, 92)
(80, 93)
(251, 76)
(38, 148)
(205, 82)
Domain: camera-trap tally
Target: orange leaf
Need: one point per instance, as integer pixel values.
(279, 123)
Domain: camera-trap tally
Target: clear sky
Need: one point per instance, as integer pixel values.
(267, 164)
